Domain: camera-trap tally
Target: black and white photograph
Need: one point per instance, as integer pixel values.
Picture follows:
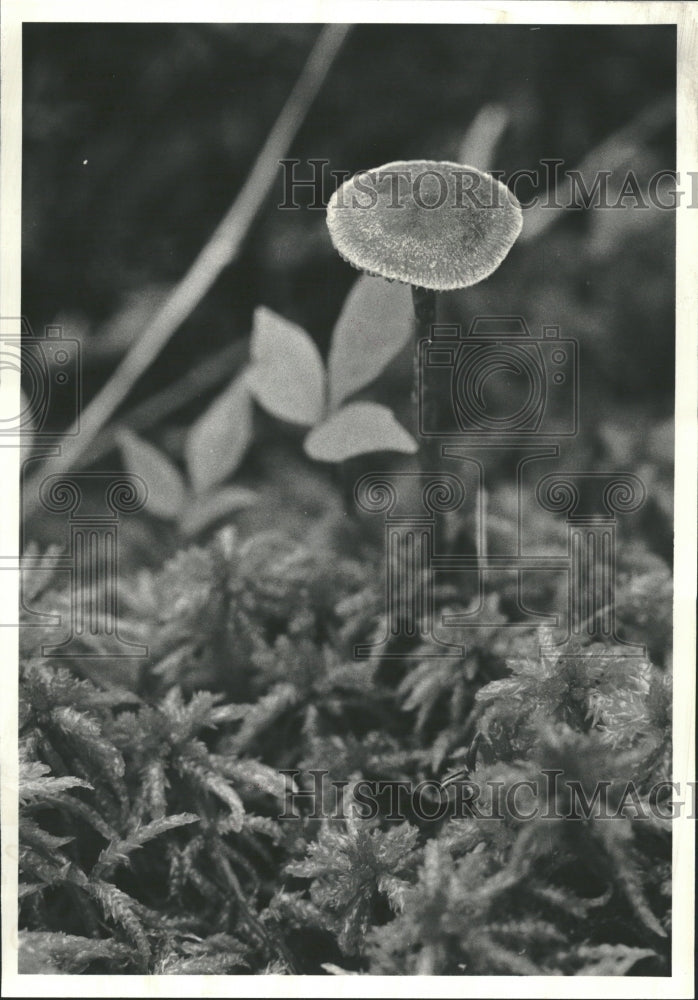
(348, 373)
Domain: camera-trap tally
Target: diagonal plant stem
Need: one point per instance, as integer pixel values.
(610, 155)
(212, 371)
(221, 249)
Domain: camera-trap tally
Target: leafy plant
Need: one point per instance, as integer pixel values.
(351, 868)
(215, 446)
(287, 376)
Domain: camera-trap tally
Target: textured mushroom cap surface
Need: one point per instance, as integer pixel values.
(433, 224)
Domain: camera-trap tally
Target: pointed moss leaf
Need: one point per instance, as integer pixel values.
(337, 970)
(358, 429)
(43, 952)
(375, 323)
(226, 793)
(610, 959)
(206, 510)
(219, 439)
(166, 490)
(482, 137)
(287, 376)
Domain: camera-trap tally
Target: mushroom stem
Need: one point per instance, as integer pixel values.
(424, 302)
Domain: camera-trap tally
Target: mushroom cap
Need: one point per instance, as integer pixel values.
(429, 223)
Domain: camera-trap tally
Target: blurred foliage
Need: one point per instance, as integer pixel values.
(138, 137)
(169, 118)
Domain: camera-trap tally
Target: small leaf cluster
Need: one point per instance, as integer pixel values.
(287, 377)
(214, 448)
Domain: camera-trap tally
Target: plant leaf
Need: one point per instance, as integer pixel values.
(166, 489)
(218, 440)
(482, 137)
(287, 376)
(375, 323)
(206, 510)
(358, 429)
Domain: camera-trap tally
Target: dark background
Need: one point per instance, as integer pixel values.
(170, 118)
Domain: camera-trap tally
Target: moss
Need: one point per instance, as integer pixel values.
(150, 838)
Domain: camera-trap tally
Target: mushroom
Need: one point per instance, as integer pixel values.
(434, 225)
